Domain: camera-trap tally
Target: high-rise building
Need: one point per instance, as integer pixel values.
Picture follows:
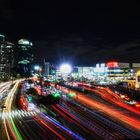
(24, 57)
(6, 58)
(46, 68)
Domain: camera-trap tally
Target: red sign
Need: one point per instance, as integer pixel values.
(112, 64)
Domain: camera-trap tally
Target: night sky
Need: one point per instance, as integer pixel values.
(79, 33)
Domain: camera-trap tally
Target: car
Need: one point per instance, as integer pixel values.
(137, 106)
(122, 96)
(131, 102)
(127, 98)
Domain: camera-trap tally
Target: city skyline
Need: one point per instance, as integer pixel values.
(69, 70)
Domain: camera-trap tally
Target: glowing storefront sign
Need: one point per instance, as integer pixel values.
(112, 64)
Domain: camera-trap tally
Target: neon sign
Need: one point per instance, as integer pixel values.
(112, 64)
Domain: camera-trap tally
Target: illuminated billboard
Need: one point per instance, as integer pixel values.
(113, 64)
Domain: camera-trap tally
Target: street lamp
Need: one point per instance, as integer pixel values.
(36, 67)
(65, 68)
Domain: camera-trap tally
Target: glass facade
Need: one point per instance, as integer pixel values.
(24, 57)
(6, 58)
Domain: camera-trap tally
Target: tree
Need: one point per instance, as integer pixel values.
(31, 91)
(49, 100)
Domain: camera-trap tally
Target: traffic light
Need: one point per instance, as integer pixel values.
(71, 94)
(29, 98)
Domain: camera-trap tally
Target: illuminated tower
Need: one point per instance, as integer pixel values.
(46, 68)
(6, 58)
(24, 57)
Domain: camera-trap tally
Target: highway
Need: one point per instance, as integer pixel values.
(39, 126)
(31, 125)
(111, 111)
(8, 126)
(98, 123)
(4, 89)
(75, 124)
(81, 117)
(109, 96)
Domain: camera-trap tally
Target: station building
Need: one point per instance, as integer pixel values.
(110, 71)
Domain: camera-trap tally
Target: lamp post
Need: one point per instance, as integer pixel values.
(65, 69)
(37, 69)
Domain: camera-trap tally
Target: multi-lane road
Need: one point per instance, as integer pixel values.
(80, 116)
(30, 125)
(126, 117)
